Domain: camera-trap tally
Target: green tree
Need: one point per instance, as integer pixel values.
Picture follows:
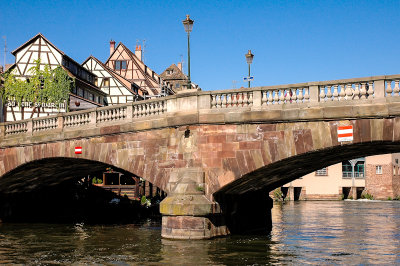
(43, 86)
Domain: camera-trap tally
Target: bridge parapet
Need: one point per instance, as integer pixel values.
(301, 96)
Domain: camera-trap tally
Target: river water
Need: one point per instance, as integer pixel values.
(311, 232)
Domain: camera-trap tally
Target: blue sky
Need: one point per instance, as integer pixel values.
(292, 41)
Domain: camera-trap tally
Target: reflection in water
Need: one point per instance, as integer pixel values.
(303, 232)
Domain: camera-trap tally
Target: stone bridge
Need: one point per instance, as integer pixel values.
(216, 153)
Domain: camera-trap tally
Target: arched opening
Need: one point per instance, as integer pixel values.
(71, 190)
(245, 202)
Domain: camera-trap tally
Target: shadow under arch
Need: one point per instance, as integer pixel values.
(245, 202)
(53, 189)
(49, 172)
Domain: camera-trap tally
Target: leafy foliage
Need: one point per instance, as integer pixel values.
(43, 86)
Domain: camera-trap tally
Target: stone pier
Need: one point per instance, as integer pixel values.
(187, 213)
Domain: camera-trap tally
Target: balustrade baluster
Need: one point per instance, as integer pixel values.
(276, 97)
(235, 99)
(223, 100)
(342, 93)
(213, 101)
(270, 99)
(356, 92)
(370, 91)
(264, 98)
(240, 99)
(294, 95)
(250, 98)
(287, 95)
(363, 92)
(301, 95)
(335, 93)
(389, 88)
(349, 91)
(329, 95)
(245, 99)
(229, 100)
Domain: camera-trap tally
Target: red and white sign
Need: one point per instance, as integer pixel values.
(345, 133)
(78, 150)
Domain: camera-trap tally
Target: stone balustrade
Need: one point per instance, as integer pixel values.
(302, 95)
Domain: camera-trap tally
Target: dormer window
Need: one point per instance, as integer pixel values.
(120, 64)
(106, 82)
(170, 71)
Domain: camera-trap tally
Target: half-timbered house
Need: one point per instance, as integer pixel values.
(118, 89)
(85, 94)
(130, 66)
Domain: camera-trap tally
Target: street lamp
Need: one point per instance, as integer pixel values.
(249, 59)
(188, 24)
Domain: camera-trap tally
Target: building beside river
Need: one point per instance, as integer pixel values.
(376, 175)
(85, 94)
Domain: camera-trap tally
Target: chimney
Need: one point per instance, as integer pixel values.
(138, 52)
(112, 46)
(180, 66)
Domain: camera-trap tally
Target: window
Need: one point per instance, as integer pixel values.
(322, 172)
(177, 85)
(397, 161)
(90, 96)
(357, 171)
(120, 64)
(80, 92)
(106, 82)
(96, 81)
(379, 169)
(96, 99)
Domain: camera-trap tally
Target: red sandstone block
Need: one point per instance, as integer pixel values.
(235, 137)
(210, 128)
(231, 164)
(109, 130)
(307, 140)
(242, 162)
(216, 138)
(388, 129)
(230, 146)
(202, 139)
(275, 135)
(212, 162)
(365, 130)
(192, 222)
(226, 154)
(298, 141)
(264, 128)
(249, 145)
(249, 161)
(209, 154)
(227, 128)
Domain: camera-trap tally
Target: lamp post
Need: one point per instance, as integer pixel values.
(188, 24)
(249, 59)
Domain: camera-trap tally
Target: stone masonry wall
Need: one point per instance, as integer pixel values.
(226, 153)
